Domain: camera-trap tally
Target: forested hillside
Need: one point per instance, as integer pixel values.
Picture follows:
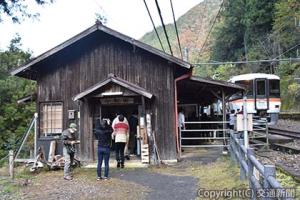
(192, 28)
(244, 31)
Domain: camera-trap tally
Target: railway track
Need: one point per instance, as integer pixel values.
(284, 147)
(284, 132)
(290, 150)
(290, 115)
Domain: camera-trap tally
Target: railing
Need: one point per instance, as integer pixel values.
(260, 133)
(263, 184)
(206, 130)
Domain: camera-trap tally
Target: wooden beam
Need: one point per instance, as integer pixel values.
(215, 94)
(130, 86)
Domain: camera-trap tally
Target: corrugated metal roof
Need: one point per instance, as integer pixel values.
(216, 82)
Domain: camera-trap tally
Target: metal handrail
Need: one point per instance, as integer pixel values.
(214, 133)
(248, 162)
(206, 122)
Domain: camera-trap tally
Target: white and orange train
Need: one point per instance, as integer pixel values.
(263, 95)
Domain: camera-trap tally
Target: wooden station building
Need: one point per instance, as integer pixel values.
(101, 72)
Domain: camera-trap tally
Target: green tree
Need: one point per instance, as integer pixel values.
(286, 34)
(14, 118)
(229, 33)
(286, 27)
(17, 10)
(242, 33)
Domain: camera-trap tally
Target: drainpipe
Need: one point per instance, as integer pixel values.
(185, 76)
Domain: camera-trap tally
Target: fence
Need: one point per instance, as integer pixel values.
(204, 130)
(262, 183)
(260, 134)
(13, 156)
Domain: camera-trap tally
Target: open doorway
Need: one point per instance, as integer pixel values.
(131, 114)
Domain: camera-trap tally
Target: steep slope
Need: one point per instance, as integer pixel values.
(193, 28)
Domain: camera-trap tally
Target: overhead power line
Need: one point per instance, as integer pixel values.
(164, 27)
(176, 29)
(249, 61)
(293, 47)
(211, 28)
(154, 26)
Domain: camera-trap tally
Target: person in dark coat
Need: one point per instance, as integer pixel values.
(103, 135)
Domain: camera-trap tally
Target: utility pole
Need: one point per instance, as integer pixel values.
(245, 46)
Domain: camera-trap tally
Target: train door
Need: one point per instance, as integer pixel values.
(261, 94)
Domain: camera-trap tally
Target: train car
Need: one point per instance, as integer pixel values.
(263, 95)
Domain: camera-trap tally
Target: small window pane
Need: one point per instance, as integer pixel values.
(51, 118)
(274, 88)
(260, 88)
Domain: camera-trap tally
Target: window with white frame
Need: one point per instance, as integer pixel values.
(51, 118)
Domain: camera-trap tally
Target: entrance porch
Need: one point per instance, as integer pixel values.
(106, 100)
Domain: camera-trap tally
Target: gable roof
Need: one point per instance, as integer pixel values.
(99, 27)
(114, 79)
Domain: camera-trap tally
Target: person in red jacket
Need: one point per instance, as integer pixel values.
(121, 136)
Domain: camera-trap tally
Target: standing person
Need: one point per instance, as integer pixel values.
(126, 152)
(68, 138)
(121, 137)
(103, 135)
(231, 119)
(181, 125)
(181, 119)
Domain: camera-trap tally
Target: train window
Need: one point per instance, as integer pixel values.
(248, 84)
(235, 96)
(274, 88)
(261, 87)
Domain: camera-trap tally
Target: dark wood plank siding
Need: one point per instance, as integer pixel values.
(89, 62)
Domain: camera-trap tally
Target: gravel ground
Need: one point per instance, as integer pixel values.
(288, 124)
(292, 161)
(51, 186)
(142, 183)
(167, 182)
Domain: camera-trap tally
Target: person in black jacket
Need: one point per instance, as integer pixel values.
(103, 135)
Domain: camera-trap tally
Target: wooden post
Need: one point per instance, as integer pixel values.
(11, 164)
(230, 147)
(224, 119)
(234, 148)
(269, 170)
(35, 134)
(242, 158)
(52, 151)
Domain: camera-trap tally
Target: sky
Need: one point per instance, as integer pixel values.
(65, 18)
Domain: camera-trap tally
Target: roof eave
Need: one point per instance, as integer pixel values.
(116, 80)
(225, 84)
